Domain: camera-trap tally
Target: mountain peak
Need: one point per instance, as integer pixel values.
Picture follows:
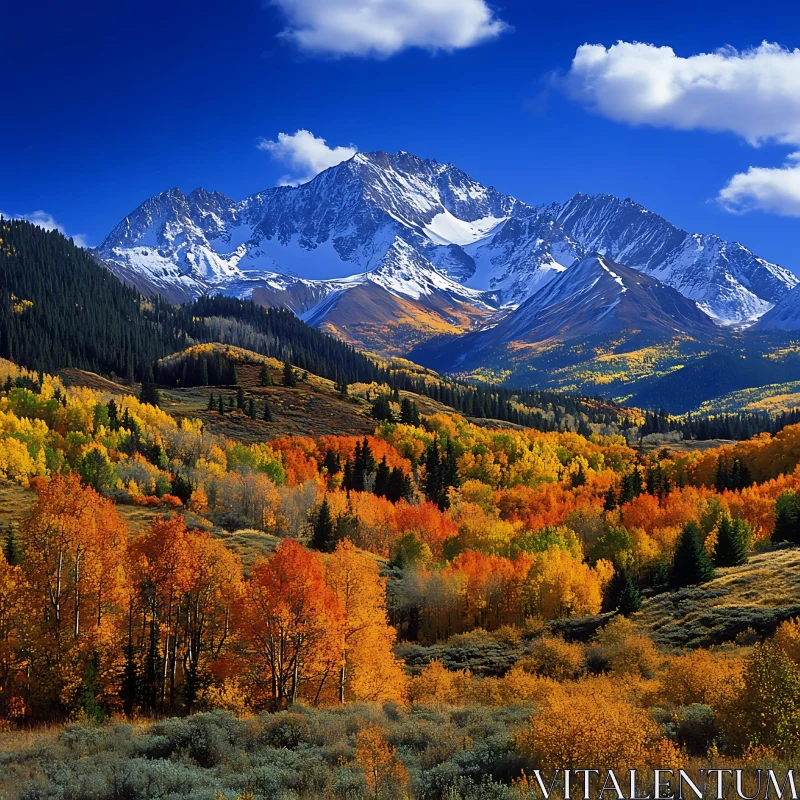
(420, 229)
(725, 279)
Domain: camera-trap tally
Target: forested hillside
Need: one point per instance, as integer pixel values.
(60, 308)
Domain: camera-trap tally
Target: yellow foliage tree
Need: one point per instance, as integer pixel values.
(590, 726)
(561, 586)
(369, 670)
(383, 770)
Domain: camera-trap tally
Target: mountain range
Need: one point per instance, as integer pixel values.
(393, 252)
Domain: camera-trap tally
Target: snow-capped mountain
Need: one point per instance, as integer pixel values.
(598, 296)
(594, 298)
(342, 223)
(420, 240)
(785, 316)
(725, 279)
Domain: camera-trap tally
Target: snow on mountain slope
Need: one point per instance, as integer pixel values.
(725, 279)
(784, 316)
(452, 250)
(594, 300)
(521, 256)
(595, 296)
(341, 223)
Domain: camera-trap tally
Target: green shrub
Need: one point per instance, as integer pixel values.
(286, 729)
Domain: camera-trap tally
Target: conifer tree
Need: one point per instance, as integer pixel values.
(732, 542)
(322, 538)
(267, 411)
(240, 398)
(381, 410)
(221, 406)
(409, 413)
(251, 408)
(211, 404)
(149, 393)
(630, 600)
(691, 564)
(113, 415)
(129, 688)
(265, 376)
(382, 477)
(787, 518)
(347, 476)
(450, 467)
(289, 377)
(12, 549)
(331, 463)
(399, 487)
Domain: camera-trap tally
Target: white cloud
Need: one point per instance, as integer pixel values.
(382, 28)
(772, 189)
(305, 154)
(754, 93)
(48, 222)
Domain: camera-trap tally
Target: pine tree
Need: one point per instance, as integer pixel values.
(630, 600)
(381, 410)
(240, 399)
(129, 686)
(211, 404)
(622, 593)
(221, 405)
(409, 413)
(267, 411)
(113, 415)
(722, 479)
(610, 500)
(691, 564)
(331, 463)
(382, 477)
(367, 459)
(449, 468)
(149, 393)
(732, 542)
(433, 485)
(347, 476)
(632, 486)
(289, 377)
(578, 478)
(265, 376)
(12, 549)
(322, 538)
(399, 487)
(251, 408)
(787, 518)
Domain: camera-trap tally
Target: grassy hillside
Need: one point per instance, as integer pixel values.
(773, 398)
(758, 595)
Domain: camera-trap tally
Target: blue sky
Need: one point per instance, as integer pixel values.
(105, 104)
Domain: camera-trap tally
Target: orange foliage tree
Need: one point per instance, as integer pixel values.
(74, 545)
(291, 623)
